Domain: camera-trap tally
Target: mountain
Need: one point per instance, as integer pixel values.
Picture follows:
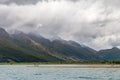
(70, 50)
(3, 33)
(21, 47)
(73, 50)
(110, 54)
(9, 51)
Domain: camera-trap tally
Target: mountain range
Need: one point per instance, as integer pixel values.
(22, 47)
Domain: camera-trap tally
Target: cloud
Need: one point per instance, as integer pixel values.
(20, 1)
(91, 22)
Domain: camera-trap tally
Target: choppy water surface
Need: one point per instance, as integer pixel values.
(12, 72)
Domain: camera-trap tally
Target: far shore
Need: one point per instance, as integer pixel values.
(75, 66)
(63, 65)
(104, 64)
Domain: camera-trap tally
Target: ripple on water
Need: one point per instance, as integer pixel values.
(28, 73)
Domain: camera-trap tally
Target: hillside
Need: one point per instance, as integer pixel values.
(21, 47)
(110, 54)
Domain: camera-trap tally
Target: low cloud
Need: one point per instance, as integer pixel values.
(94, 23)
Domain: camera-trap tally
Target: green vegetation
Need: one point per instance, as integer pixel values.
(21, 48)
(38, 63)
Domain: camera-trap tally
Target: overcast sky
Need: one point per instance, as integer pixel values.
(95, 23)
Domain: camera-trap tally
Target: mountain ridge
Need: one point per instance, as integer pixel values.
(22, 47)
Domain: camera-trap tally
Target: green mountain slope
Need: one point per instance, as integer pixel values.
(12, 49)
(110, 54)
(21, 47)
(69, 50)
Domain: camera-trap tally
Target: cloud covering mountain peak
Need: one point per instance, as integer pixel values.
(91, 22)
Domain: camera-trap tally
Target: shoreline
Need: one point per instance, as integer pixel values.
(63, 65)
(74, 66)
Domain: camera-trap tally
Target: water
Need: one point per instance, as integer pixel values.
(12, 72)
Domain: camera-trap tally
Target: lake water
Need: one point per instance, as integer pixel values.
(18, 72)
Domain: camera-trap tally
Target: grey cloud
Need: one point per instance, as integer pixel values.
(23, 2)
(19, 1)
